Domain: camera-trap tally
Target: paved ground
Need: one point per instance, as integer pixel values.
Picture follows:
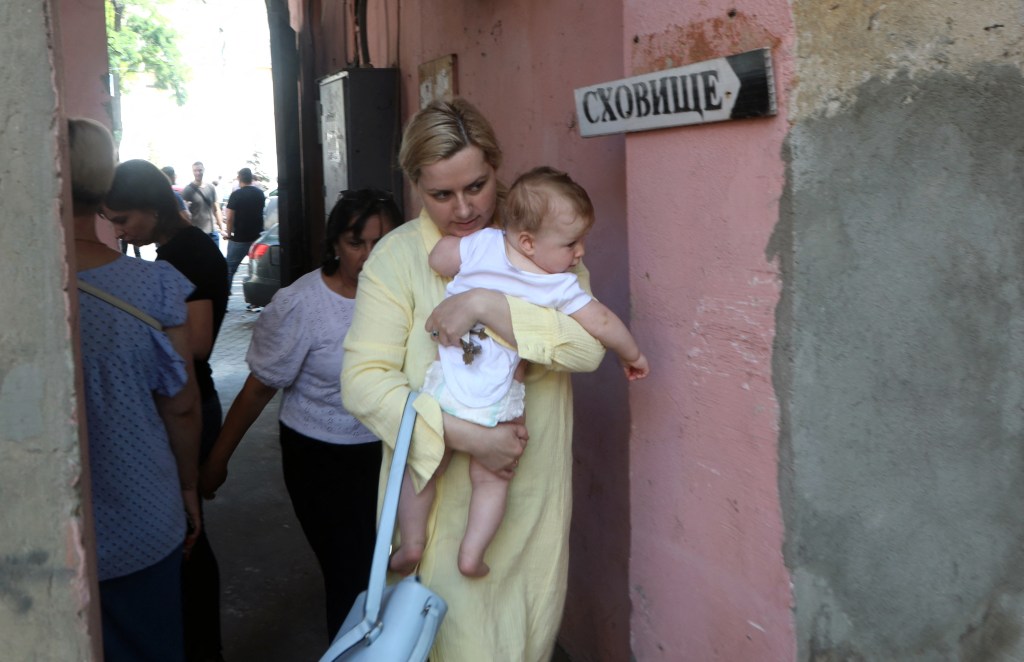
(272, 604)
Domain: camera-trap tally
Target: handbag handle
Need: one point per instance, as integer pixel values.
(386, 527)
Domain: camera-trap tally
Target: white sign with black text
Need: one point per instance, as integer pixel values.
(732, 87)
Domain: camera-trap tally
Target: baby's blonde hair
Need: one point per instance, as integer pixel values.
(529, 199)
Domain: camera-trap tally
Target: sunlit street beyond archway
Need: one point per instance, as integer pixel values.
(227, 120)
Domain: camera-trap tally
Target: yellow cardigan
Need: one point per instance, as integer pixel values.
(513, 613)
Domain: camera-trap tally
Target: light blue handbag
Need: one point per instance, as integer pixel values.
(394, 623)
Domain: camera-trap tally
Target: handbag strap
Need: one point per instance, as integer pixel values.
(88, 288)
(386, 528)
(199, 190)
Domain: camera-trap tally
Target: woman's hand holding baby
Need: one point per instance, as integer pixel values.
(498, 448)
(457, 314)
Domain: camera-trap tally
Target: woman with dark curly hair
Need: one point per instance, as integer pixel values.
(331, 462)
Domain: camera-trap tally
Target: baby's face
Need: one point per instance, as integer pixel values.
(558, 245)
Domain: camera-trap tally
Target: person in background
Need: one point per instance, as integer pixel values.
(203, 204)
(245, 220)
(451, 156)
(143, 420)
(142, 207)
(331, 462)
(172, 177)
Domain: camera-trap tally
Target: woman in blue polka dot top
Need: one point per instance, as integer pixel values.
(143, 417)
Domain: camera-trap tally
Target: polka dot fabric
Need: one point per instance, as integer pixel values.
(136, 495)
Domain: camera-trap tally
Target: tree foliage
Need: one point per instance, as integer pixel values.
(255, 163)
(141, 41)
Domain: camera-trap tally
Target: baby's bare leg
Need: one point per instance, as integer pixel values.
(486, 510)
(413, 512)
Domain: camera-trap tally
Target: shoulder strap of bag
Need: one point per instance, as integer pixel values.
(386, 528)
(199, 190)
(120, 303)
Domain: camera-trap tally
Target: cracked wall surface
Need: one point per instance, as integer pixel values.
(898, 360)
(708, 580)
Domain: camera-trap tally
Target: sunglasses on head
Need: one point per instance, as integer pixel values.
(365, 195)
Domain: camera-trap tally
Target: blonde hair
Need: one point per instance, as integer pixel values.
(93, 157)
(441, 130)
(529, 199)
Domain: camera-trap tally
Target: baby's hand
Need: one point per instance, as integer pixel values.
(637, 369)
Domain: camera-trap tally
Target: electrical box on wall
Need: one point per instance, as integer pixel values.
(360, 129)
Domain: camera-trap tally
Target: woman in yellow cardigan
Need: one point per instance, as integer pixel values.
(450, 155)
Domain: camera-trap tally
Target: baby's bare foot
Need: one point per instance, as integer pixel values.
(471, 566)
(405, 559)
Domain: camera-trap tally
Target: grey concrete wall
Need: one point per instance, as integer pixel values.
(899, 359)
(45, 609)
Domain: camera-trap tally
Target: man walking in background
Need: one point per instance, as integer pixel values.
(173, 178)
(245, 220)
(203, 204)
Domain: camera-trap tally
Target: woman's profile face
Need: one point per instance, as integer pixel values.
(460, 193)
(352, 251)
(134, 226)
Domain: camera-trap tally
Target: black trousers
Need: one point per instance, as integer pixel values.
(333, 489)
(200, 573)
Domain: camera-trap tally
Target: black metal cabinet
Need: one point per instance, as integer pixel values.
(360, 130)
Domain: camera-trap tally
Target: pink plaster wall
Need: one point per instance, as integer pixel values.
(84, 45)
(707, 576)
(82, 69)
(519, 61)
(85, 70)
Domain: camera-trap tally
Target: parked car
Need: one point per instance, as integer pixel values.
(264, 277)
(270, 210)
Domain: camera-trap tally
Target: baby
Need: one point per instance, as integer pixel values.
(547, 218)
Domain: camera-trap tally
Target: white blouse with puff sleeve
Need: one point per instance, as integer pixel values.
(297, 346)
